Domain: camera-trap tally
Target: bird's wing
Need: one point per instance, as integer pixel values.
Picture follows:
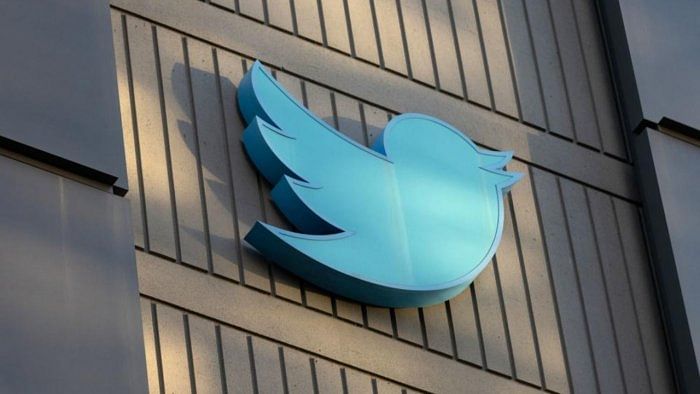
(323, 179)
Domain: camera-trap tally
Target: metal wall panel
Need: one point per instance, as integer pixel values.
(57, 79)
(568, 303)
(68, 286)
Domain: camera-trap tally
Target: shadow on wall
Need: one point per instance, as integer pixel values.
(192, 130)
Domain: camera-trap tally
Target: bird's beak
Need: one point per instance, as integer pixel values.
(494, 160)
(504, 180)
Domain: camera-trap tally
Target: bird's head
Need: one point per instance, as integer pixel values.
(432, 148)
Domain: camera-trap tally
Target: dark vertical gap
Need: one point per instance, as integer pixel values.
(237, 6)
(251, 360)
(348, 22)
(423, 330)
(394, 325)
(509, 53)
(377, 36)
(365, 320)
(283, 369)
(550, 277)
(334, 306)
(344, 381)
(135, 127)
(295, 22)
(363, 122)
(241, 268)
(334, 109)
(261, 198)
(220, 354)
(528, 298)
(578, 282)
(156, 339)
(166, 140)
(314, 378)
(302, 287)
(375, 389)
(266, 12)
(431, 45)
(537, 65)
(561, 67)
(477, 319)
(322, 21)
(188, 347)
(587, 74)
(229, 164)
(629, 284)
(404, 40)
(455, 37)
(198, 155)
(605, 286)
(484, 57)
(450, 324)
(504, 316)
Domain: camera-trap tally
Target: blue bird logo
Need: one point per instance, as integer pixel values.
(410, 222)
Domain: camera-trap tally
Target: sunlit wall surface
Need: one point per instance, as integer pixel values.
(568, 303)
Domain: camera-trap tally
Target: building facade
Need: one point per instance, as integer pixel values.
(573, 301)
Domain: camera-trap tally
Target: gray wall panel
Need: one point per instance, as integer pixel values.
(525, 64)
(364, 39)
(575, 69)
(599, 78)
(129, 127)
(448, 70)
(57, 77)
(590, 280)
(280, 14)
(551, 75)
(645, 302)
(335, 26)
(538, 282)
(570, 313)
(390, 35)
(466, 329)
(420, 58)
(181, 137)
(551, 311)
(68, 288)
(492, 321)
(516, 303)
(497, 57)
(157, 202)
(308, 20)
(215, 171)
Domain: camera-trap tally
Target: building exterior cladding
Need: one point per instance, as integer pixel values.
(567, 305)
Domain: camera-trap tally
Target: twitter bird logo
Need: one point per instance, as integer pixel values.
(410, 222)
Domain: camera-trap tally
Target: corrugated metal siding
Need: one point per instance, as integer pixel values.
(568, 303)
